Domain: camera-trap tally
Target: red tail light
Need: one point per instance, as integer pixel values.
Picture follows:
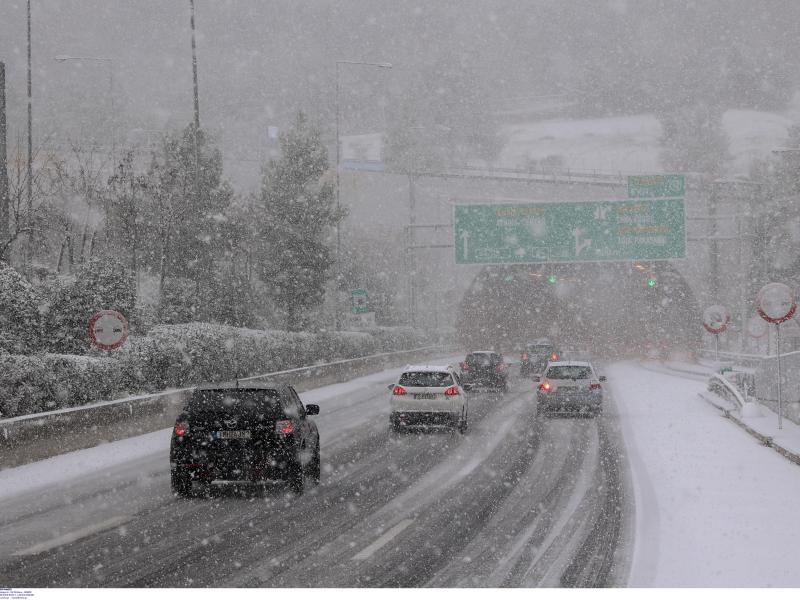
(595, 386)
(524, 356)
(181, 428)
(554, 356)
(451, 391)
(399, 390)
(284, 427)
(545, 386)
(501, 368)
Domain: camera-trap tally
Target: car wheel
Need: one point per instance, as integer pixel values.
(463, 422)
(181, 482)
(315, 470)
(296, 478)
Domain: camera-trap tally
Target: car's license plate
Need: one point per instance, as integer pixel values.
(233, 435)
(568, 388)
(426, 396)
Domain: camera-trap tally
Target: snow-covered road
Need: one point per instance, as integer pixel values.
(713, 506)
(518, 501)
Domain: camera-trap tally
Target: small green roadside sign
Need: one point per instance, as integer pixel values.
(656, 186)
(360, 301)
(612, 230)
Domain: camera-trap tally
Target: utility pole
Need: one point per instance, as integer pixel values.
(29, 178)
(194, 74)
(4, 198)
(196, 112)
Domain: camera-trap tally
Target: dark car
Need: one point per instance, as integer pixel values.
(535, 357)
(485, 369)
(244, 434)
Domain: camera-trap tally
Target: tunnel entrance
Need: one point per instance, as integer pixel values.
(621, 309)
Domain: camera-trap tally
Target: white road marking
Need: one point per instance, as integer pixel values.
(383, 540)
(68, 538)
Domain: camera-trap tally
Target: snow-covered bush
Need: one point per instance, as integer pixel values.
(20, 321)
(178, 356)
(102, 283)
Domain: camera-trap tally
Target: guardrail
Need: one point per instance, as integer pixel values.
(34, 437)
(719, 385)
(730, 392)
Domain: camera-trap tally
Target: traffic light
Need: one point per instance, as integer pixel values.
(651, 282)
(552, 279)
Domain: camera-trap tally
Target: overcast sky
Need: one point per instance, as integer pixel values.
(259, 61)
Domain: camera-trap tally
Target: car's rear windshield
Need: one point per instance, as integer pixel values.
(540, 349)
(264, 403)
(483, 358)
(426, 379)
(569, 372)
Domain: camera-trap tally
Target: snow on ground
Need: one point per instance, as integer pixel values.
(607, 145)
(713, 507)
(631, 143)
(753, 135)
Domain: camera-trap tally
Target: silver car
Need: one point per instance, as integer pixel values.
(570, 387)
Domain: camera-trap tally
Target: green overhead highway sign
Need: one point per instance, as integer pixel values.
(656, 186)
(613, 230)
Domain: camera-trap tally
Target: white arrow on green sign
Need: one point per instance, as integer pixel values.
(613, 230)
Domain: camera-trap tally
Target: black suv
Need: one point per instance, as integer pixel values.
(535, 357)
(243, 434)
(485, 369)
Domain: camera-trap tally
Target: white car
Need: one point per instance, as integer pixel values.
(429, 395)
(570, 386)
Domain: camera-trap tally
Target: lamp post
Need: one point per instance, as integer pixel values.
(380, 65)
(412, 220)
(110, 62)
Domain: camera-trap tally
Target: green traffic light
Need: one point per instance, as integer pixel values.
(552, 279)
(651, 282)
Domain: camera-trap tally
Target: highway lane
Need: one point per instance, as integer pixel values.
(517, 501)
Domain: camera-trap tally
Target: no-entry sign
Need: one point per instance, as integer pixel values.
(775, 303)
(108, 329)
(716, 319)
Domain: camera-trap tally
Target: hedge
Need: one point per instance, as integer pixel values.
(178, 356)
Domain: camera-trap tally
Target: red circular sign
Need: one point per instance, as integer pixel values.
(776, 303)
(108, 329)
(716, 319)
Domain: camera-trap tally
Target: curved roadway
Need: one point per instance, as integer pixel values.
(517, 501)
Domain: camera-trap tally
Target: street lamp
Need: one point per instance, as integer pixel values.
(412, 220)
(65, 57)
(380, 65)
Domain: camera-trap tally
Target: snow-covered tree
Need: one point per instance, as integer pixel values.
(299, 210)
(693, 140)
(183, 210)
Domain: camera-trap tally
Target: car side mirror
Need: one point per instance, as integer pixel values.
(312, 409)
(602, 377)
(390, 387)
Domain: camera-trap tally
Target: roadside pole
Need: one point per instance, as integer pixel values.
(776, 303)
(780, 395)
(4, 196)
